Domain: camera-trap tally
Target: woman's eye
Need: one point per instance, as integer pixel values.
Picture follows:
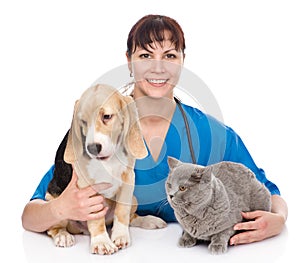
(182, 188)
(170, 56)
(144, 56)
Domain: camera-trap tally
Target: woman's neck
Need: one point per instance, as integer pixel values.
(155, 116)
(154, 110)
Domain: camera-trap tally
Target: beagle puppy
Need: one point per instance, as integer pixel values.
(101, 146)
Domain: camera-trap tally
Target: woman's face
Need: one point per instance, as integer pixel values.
(157, 70)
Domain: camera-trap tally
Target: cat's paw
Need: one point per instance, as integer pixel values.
(185, 241)
(217, 248)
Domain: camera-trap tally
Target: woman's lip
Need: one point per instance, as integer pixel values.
(157, 82)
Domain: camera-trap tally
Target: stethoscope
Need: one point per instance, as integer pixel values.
(187, 127)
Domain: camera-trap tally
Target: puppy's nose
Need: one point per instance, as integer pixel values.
(94, 148)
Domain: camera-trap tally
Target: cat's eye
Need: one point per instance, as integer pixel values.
(182, 188)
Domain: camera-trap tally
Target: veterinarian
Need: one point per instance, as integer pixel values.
(155, 55)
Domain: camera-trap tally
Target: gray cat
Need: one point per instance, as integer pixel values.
(208, 201)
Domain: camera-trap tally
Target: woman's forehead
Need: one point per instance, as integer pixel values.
(156, 40)
(165, 45)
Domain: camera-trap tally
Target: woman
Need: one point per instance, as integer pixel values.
(155, 55)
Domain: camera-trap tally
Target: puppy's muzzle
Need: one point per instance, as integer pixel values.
(94, 149)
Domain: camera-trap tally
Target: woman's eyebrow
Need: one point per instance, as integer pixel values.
(143, 50)
(168, 50)
(151, 52)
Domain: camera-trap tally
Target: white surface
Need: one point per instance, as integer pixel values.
(154, 246)
(247, 52)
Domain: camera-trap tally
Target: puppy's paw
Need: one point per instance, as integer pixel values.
(121, 237)
(64, 239)
(102, 245)
(148, 222)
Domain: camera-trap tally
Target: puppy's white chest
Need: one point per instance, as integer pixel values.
(109, 171)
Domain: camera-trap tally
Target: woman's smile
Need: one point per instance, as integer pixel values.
(157, 82)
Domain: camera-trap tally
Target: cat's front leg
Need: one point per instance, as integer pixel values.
(219, 242)
(186, 240)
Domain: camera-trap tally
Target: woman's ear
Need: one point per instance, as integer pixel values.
(183, 58)
(128, 61)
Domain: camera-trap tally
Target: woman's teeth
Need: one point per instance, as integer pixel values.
(157, 81)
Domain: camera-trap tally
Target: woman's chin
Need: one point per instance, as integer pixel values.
(158, 93)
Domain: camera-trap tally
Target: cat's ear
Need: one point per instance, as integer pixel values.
(173, 162)
(201, 173)
(197, 174)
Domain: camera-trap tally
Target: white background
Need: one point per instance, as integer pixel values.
(247, 53)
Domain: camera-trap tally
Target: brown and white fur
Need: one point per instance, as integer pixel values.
(102, 145)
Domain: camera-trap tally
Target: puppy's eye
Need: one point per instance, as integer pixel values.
(182, 188)
(83, 123)
(106, 117)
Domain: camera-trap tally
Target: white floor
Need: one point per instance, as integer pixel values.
(152, 246)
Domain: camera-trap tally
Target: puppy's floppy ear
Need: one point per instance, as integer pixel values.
(134, 142)
(69, 155)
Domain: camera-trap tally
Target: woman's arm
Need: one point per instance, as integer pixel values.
(263, 224)
(73, 203)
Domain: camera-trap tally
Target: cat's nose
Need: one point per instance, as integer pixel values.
(171, 196)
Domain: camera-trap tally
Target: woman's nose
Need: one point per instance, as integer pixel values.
(157, 66)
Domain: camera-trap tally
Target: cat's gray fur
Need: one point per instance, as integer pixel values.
(208, 201)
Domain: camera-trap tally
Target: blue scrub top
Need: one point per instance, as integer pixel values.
(212, 142)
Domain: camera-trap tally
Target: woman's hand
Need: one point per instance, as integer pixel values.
(80, 204)
(262, 225)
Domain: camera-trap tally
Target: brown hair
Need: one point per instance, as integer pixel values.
(152, 28)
